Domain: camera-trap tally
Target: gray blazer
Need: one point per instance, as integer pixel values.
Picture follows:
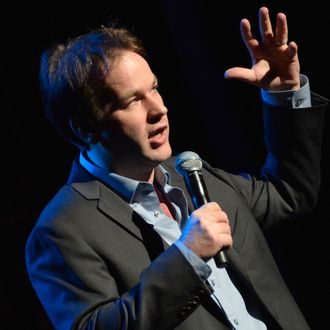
(95, 264)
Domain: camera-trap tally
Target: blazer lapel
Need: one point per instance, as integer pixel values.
(109, 202)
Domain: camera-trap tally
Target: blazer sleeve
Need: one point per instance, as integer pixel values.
(79, 291)
(289, 181)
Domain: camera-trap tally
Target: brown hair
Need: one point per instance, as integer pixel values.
(72, 78)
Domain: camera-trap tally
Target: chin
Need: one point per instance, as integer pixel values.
(161, 154)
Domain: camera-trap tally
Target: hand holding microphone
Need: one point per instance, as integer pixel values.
(207, 231)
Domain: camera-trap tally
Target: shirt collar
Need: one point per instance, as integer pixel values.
(124, 186)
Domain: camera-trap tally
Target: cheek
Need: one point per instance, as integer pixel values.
(129, 125)
(134, 132)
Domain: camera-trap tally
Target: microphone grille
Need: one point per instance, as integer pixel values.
(188, 161)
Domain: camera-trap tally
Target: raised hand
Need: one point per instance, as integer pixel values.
(275, 64)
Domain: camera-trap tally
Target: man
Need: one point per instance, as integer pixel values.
(119, 246)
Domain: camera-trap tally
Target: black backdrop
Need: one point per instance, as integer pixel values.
(190, 44)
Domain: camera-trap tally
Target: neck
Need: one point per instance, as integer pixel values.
(147, 175)
(123, 168)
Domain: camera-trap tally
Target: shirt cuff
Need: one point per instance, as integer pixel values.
(300, 98)
(200, 267)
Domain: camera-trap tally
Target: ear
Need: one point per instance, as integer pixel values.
(88, 136)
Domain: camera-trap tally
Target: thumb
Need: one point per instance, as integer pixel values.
(240, 73)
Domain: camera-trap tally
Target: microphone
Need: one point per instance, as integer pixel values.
(189, 165)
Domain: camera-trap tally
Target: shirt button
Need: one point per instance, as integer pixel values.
(156, 214)
(213, 283)
(236, 321)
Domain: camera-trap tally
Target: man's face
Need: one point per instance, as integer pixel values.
(137, 129)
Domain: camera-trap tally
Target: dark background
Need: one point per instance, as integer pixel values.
(190, 44)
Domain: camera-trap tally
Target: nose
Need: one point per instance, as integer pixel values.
(156, 108)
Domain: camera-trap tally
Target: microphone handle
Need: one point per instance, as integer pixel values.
(199, 195)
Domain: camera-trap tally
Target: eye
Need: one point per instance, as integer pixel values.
(131, 102)
(155, 88)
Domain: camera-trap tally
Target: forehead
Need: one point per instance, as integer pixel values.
(128, 68)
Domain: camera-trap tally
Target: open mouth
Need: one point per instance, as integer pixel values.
(158, 137)
(157, 133)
